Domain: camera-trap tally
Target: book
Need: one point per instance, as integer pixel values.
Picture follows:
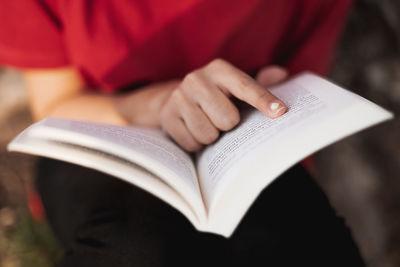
(215, 187)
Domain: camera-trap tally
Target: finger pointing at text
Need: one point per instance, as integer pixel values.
(200, 107)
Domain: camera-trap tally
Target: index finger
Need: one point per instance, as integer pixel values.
(242, 86)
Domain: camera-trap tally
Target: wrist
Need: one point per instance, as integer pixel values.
(143, 106)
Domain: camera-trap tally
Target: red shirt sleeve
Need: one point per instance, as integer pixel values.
(311, 45)
(31, 35)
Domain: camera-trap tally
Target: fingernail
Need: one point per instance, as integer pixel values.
(274, 106)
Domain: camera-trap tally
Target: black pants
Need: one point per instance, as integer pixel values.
(102, 221)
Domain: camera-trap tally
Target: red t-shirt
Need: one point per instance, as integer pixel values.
(118, 43)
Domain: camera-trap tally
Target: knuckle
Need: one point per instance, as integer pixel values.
(203, 131)
(230, 121)
(191, 145)
(209, 135)
(176, 94)
(192, 78)
(216, 63)
(176, 97)
(193, 83)
(245, 83)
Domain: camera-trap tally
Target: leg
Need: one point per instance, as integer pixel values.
(292, 223)
(102, 221)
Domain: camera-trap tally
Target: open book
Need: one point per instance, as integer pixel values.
(215, 187)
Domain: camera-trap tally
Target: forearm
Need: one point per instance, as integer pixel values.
(88, 107)
(61, 93)
(140, 107)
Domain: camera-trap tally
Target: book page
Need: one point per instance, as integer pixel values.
(106, 163)
(148, 147)
(243, 161)
(255, 129)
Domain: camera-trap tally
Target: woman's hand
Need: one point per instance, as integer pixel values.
(192, 111)
(200, 106)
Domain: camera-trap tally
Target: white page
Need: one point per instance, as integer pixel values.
(148, 147)
(255, 129)
(253, 154)
(109, 164)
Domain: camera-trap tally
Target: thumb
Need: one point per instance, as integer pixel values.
(271, 75)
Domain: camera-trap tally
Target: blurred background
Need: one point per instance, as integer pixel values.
(360, 175)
